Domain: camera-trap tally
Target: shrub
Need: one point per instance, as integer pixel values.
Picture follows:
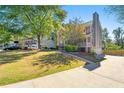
(71, 48)
(111, 46)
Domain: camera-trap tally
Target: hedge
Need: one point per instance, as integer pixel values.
(114, 52)
(71, 48)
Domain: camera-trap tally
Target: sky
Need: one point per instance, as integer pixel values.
(85, 13)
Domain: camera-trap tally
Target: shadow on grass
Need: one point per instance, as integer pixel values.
(12, 56)
(54, 59)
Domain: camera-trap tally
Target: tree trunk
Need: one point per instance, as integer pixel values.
(39, 41)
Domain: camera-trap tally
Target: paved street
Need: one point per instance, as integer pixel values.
(109, 74)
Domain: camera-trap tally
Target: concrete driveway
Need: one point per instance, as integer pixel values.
(110, 74)
(112, 68)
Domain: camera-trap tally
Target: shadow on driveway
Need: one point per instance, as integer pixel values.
(92, 66)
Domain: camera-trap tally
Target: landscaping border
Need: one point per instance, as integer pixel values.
(72, 55)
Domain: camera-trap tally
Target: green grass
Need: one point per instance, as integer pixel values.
(13, 56)
(25, 65)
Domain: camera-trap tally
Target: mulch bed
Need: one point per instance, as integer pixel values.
(87, 56)
(1, 64)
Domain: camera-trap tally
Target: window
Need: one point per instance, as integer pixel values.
(52, 38)
(88, 30)
(88, 39)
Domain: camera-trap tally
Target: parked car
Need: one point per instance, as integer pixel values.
(12, 48)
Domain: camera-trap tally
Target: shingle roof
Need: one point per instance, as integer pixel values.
(88, 23)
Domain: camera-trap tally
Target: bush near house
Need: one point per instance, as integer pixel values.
(114, 52)
(71, 48)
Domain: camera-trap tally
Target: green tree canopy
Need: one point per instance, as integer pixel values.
(4, 35)
(39, 20)
(105, 37)
(119, 36)
(75, 31)
(118, 11)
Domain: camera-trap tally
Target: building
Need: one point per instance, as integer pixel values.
(93, 33)
(91, 43)
(31, 43)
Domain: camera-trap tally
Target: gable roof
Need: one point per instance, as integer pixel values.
(88, 23)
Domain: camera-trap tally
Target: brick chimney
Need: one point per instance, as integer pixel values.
(97, 34)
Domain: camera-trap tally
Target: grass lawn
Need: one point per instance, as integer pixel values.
(20, 65)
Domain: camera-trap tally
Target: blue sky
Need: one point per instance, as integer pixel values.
(86, 11)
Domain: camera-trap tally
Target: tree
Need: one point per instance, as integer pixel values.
(117, 10)
(44, 20)
(13, 24)
(119, 36)
(4, 35)
(75, 31)
(105, 37)
(41, 20)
